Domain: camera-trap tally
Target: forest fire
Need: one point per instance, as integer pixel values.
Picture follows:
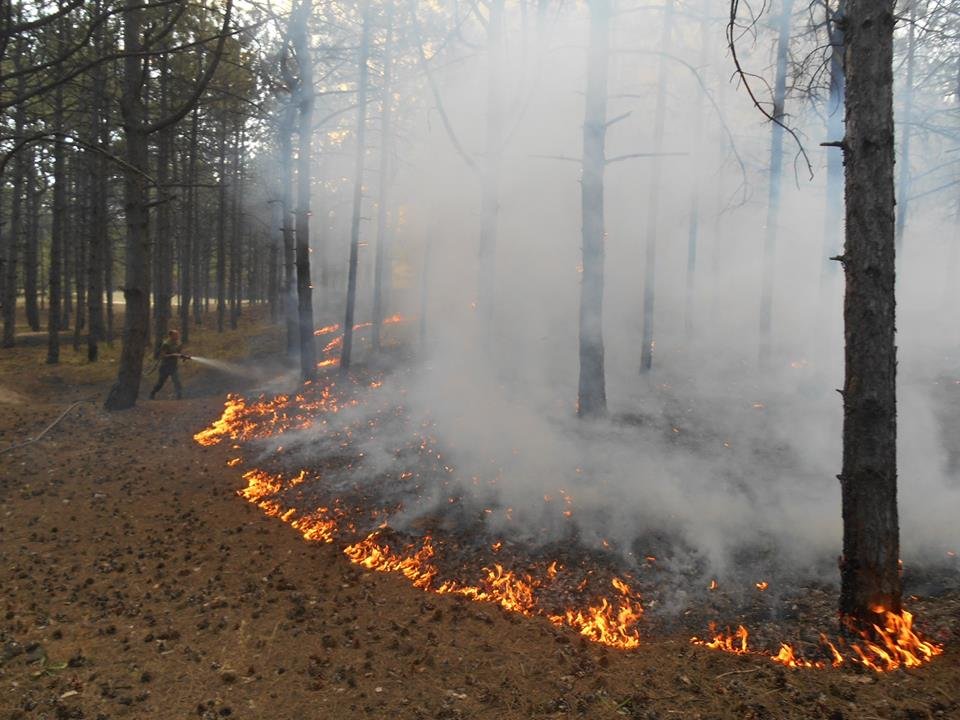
(609, 618)
(892, 646)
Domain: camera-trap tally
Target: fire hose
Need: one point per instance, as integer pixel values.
(30, 441)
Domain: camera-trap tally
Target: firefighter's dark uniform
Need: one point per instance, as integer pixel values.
(169, 356)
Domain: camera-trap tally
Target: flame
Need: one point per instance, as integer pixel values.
(762, 585)
(881, 648)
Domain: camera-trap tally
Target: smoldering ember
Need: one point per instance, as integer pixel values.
(480, 359)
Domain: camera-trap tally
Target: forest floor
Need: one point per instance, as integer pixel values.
(136, 584)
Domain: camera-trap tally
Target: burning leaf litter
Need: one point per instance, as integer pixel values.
(611, 618)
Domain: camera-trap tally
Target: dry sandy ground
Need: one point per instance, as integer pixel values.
(136, 584)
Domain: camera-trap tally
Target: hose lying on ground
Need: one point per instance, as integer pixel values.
(47, 429)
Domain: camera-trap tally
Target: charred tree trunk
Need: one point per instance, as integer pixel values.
(386, 136)
(773, 188)
(650, 270)
(347, 348)
(592, 393)
(869, 571)
(308, 350)
(490, 172)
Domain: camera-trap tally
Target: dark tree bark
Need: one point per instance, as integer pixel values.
(347, 348)
(15, 233)
(773, 188)
(286, 207)
(869, 571)
(163, 235)
(136, 293)
(97, 193)
(187, 242)
(592, 393)
(32, 241)
(300, 38)
(222, 227)
(56, 233)
(386, 146)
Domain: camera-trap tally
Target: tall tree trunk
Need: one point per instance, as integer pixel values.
(774, 186)
(289, 250)
(869, 571)
(592, 393)
(834, 215)
(79, 250)
(903, 182)
(56, 232)
(650, 270)
(222, 227)
(32, 244)
(386, 147)
(97, 199)
(308, 349)
(15, 234)
(236, 243)
(136, 321)
(188, 244)
(163, 235)
(275, 249)
(346, 350)
(693, 232)
(490, 168)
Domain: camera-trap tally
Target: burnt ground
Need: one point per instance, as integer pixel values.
(136, 584)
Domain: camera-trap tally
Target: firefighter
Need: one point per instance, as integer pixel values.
(170, 352)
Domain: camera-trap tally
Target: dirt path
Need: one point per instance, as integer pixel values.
(136, 584)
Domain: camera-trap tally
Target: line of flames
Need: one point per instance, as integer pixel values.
(612, 623)
(881, 648)
(609, 622)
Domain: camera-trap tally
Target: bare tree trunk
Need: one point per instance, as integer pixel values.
(136, 321)
(386, 147)
(286, 207)
(833, 219)
(97, 194)
(79, 254)
(490, 173)
(56, 232)
(163, 244)
(650, 270)
(233, 291)
(222, 227)
(870, 578)
(773, 189)
(15, 233)
(188, 244)
(592, 393)
(357, 192)
(32, 249)
(903, 182)
(308, 350)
